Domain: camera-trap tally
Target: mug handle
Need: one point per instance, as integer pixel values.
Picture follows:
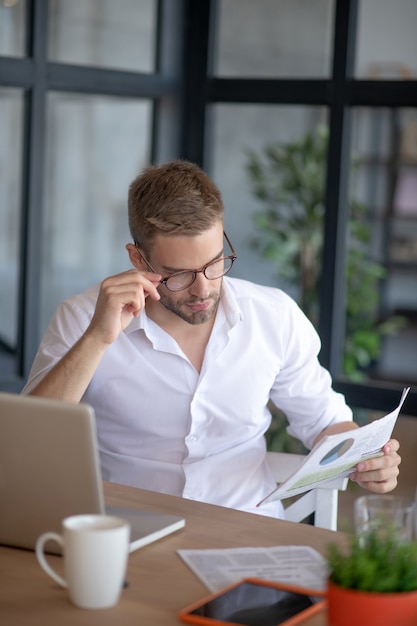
(41, 556)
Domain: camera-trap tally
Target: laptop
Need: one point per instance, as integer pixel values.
(49, 469)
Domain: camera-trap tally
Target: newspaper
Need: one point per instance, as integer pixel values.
(297, 565)
(336, 455)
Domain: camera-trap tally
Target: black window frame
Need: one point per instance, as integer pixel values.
(182, 91)
(37, 76)
(340, 93)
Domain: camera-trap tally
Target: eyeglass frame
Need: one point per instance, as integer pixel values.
(232, 257)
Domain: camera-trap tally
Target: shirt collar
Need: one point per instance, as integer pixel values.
(231, 308)
(138, 323)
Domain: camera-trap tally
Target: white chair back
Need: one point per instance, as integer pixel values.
(322, 501)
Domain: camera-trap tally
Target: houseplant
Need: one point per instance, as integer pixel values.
(289, 183)
(373, 582)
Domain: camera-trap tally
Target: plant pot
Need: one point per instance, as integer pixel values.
(351, 606)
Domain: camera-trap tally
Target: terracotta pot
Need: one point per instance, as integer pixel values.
(350, 606)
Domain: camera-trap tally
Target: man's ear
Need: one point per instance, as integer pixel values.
(135, 258)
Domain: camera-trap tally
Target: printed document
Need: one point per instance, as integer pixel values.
(295, 565)
(336, 455)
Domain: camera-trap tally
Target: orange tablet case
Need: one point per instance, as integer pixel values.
(188, 617)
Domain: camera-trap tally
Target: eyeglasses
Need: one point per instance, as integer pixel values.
(182, 280)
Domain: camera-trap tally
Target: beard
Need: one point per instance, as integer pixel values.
(180, 307)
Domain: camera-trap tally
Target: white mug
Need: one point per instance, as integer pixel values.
(95, 551)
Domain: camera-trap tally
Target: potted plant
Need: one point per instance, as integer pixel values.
(289, 182)
(373, 582)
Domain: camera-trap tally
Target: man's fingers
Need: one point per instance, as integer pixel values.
(379, 474)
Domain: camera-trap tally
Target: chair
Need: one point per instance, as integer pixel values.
(322, 501)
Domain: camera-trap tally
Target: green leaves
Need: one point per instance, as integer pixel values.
(380, 564)
(289, 182)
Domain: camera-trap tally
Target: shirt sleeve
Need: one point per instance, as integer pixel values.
(303, 388)
(65, 329)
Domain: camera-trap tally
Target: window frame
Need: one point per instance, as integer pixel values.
(182, 91)
(340, 93)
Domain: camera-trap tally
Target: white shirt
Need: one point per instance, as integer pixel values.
(163, 426)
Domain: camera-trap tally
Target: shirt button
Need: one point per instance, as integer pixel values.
(192, 438)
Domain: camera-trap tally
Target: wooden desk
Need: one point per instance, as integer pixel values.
(159, 581)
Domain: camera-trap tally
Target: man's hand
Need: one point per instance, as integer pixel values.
(380, 474)
(121, 298)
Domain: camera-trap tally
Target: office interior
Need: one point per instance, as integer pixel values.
(92, 91)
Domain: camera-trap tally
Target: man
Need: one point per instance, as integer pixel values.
(179, 362)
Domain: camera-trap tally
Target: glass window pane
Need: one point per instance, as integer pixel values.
(96, 146)
(382, 298)
(104, 33)
(11, 123)
(274, 38)
(386, 40)
(269, 162)
(12, 27)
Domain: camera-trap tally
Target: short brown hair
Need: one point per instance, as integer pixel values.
(176, 198)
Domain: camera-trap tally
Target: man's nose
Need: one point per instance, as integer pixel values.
(201, 286)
